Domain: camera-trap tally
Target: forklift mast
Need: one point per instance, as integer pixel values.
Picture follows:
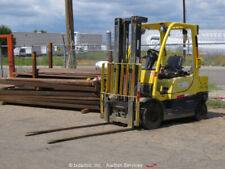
(122, 37)
(120, 94)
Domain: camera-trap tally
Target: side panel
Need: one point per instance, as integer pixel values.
(147, 77)
(177, 88)
(184, 107)
(183, 94)
(203, 84)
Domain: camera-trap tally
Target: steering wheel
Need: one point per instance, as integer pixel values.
(153, 51)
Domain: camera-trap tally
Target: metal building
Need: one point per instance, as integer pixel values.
(89, 42)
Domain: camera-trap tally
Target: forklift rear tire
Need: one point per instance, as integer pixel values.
(152, 115)
(201, 111)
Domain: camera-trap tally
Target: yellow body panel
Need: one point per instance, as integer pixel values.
(203, 84)
(147, 76)
(186, 86)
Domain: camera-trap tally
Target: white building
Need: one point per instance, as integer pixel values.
(27, 42)
(210, 40)
(88, 42)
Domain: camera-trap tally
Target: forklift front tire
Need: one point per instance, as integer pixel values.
(201, 111)
(151, 115)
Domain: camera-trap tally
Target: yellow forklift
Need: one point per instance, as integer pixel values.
(135, 95)
(162, 90)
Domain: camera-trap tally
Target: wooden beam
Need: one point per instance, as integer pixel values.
(27, 92)
(49, 100)
(50, 57)
(57, 84)
(48, 81)
(11, 58)
(34, 65)
(51, 104)
(91, 99)
(57, 76)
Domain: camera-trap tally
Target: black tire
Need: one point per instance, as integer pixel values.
(151, 115)
(201, 111)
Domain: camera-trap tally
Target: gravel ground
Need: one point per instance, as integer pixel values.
(180, 144)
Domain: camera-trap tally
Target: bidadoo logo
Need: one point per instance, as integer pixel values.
(151, 165)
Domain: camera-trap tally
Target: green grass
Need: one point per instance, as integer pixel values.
(207, 59)
(213, 60)
(213, 86)
(97, 56)
(178, 52)
(215, 104)
(86, 58)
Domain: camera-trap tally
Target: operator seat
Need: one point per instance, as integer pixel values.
(173, 68)
(174, 63)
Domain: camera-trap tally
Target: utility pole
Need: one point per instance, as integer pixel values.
(71, 60)
(109, 45)
(184, 31)
(184, 11)
(1, 64)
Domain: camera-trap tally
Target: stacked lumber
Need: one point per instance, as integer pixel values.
(2, 86)
(63, 93)
(61, 73)
(56, 84)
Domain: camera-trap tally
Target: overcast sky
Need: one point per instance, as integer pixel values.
(97, 16)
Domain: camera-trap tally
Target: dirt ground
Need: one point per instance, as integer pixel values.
(218, 93)
(180, 144)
